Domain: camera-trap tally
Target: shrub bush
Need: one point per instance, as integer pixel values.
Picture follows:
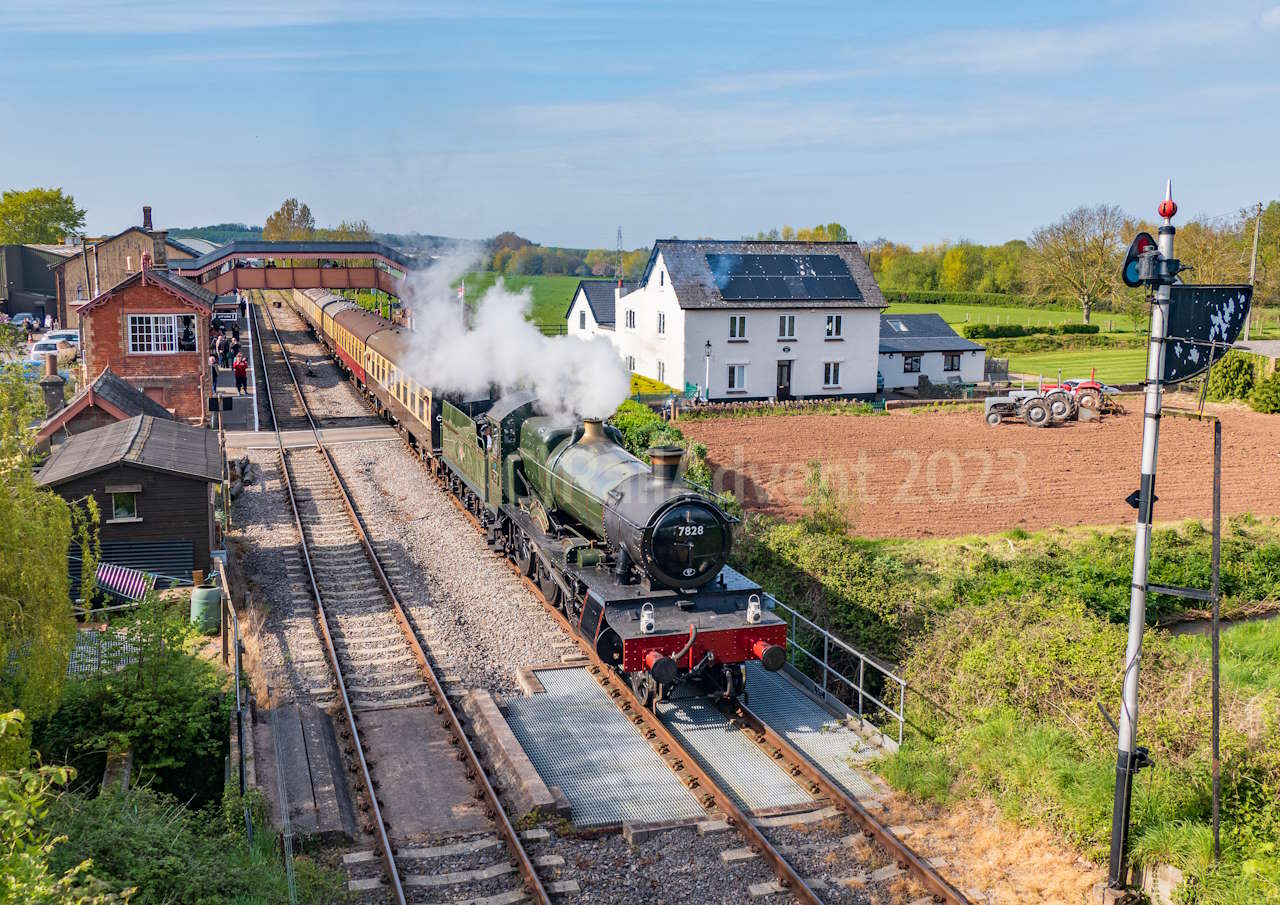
(1266, 395)
(1080, 328)
(1002, 331)
(1233, 377)
(999, 299)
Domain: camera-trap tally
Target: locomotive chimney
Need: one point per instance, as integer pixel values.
(592, 430)
(665, 461)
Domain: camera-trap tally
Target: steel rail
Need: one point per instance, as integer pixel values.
(893, 846)
(443, 706)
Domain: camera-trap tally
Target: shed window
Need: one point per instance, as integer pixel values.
(124, 505)
(162, 333)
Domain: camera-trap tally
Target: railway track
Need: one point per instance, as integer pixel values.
(379, 665)
(800, 848)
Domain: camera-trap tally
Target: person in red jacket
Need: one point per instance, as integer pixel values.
(241, 368)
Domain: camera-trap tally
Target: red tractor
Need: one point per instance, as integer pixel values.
(1065, 399)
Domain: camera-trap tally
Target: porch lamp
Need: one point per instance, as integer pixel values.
(706, 386)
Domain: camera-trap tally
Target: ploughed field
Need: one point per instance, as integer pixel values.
(944, 474)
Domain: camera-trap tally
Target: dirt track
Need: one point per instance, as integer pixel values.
(936, 474)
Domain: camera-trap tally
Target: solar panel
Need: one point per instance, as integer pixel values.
(768, 277)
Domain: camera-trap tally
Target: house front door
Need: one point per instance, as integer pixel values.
(784, 381)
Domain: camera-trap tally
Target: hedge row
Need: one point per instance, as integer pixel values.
(941, 297)
(1006, 331)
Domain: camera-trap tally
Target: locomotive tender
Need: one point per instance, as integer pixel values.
(633, 555)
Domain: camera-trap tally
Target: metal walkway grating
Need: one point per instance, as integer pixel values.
(749, 774)
(829, 743)
(578, 740)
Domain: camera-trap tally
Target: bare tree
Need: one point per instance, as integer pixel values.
(1079, 255)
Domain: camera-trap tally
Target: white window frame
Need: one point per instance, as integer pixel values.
(662, 322)
(662, 372)
(631, 362)
(154, 324)
(786, 326)
(736, 382)
(737, 327)
(631, 318)
(949, 356)
(124, 518)
(830, 374)
(582, 320)
(835, 326)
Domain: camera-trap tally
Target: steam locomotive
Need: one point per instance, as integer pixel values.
(632, 554)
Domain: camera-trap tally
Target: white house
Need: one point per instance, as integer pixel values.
(744, 320)
(912, 345)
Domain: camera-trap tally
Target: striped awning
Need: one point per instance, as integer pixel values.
(131, 584)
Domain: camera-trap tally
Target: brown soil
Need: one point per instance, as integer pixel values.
(944, 474)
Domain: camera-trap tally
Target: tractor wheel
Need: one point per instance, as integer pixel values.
(1060, 405)
(993, 418)
(1036, 413)
(1089, 399)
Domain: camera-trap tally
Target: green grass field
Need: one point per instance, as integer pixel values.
(990, 314)
(551, 293)
(1114, 365)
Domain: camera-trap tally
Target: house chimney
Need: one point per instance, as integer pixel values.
(665, 461)
(146, 217)
(160, 253)
(51, 385)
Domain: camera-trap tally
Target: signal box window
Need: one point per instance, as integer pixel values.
(951, 361)
(124, 506)
(911, 364)
(737, 378)
(737, 326)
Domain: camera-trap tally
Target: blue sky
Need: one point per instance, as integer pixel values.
(918, 122)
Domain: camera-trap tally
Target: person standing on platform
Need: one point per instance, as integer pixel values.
(241, 369)
(213, 371)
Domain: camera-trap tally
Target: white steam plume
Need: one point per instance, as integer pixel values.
(569, 375)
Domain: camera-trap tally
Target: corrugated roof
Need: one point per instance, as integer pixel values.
(193, 245)
(143, 441)
(695, 285)
(922, 333)
(599, 295)
(260, 249)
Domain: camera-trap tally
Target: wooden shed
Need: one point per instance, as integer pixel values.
(154, 480)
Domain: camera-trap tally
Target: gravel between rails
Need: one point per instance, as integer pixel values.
(477, 619)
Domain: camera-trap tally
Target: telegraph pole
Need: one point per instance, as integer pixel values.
(1130, 758)
(1253, 261)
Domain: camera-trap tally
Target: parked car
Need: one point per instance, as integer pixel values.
(20, 319)
(64, 336)
(42, 347)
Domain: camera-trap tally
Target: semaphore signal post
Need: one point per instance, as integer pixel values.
(1191, 327)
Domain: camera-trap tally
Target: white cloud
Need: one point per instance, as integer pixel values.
(1271, 19)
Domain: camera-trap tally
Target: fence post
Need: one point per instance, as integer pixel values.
(862, 672)
(826, 664)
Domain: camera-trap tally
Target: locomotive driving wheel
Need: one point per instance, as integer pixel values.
(524, 553)
(547, 583)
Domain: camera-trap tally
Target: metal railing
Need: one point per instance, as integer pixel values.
(229, 626)
(857, 689)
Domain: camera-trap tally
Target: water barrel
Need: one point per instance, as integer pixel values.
(206, 602)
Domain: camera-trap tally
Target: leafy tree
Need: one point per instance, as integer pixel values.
(36, 629)
(961, 267)
(824, 505)
(1232, 378)
(26, 876)
(291, 223)
(1079, 255)
(349, 231)
(38, 216)
(1266, 396)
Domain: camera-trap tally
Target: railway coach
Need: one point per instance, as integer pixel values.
(634, 555)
